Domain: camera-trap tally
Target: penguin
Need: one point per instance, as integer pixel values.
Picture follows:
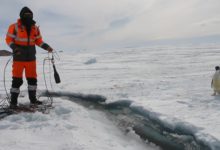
(215, 84)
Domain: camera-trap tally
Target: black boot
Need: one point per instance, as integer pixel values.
(14, 100)
(33, 99)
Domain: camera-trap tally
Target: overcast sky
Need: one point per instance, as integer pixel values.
(91, 24)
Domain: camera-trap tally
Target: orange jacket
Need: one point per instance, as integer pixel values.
(17, 34)
(17, 38)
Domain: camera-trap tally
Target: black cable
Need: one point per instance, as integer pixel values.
(7, 98)
(50, 74)
(50, 98)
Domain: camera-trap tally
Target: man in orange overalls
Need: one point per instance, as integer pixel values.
(22, 37)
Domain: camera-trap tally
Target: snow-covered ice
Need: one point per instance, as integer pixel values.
(172, 82)
(67, 127)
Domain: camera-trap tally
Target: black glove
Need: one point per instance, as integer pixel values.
(16, 51)
(47, 47)
(50, 49)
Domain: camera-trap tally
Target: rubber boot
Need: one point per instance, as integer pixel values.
(14, 100)
(33, 99)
